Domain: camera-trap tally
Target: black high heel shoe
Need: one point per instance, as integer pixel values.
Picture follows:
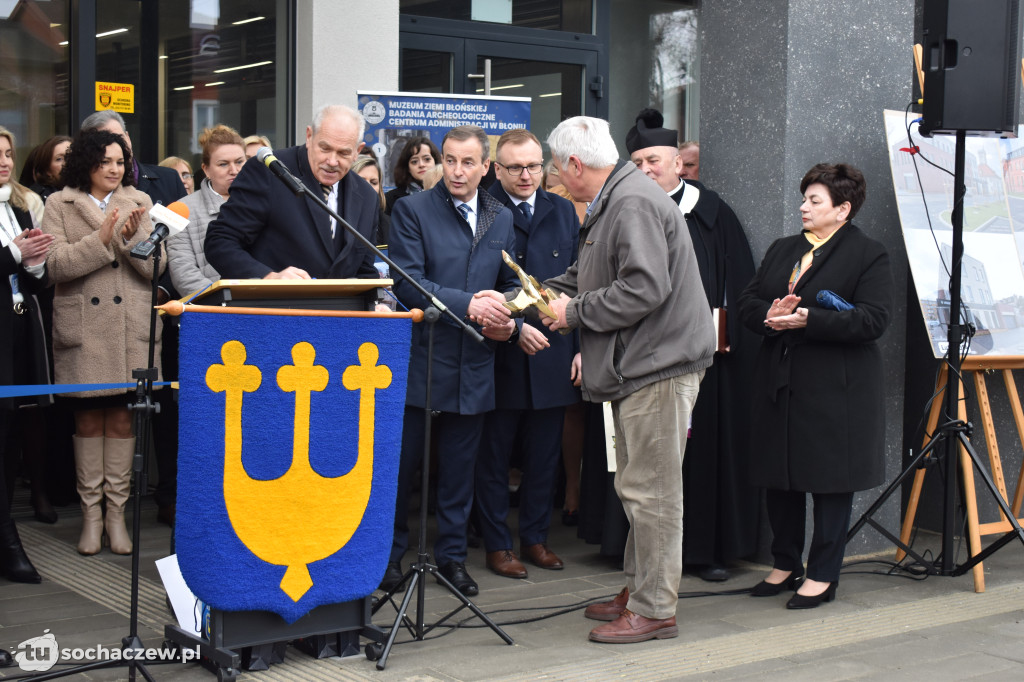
(767, 589)
(799, 601)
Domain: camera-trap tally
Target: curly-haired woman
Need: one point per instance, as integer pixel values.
(100, 319)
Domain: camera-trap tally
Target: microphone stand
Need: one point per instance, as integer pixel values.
(434, 301)
(416, 575)
(143, 408)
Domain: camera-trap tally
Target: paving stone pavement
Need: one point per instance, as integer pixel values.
(880, 627)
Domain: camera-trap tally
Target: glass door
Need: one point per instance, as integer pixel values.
(560, 82)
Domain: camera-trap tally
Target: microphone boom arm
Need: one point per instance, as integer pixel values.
(298, 187)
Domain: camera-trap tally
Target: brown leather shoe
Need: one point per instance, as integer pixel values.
(540, 555)
(630, 627)
(504, 562)
(608, 610)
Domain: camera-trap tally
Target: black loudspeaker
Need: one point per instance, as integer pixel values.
(972, 52)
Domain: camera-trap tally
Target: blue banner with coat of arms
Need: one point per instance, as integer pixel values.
(290, 432)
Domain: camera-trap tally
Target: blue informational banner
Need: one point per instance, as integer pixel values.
(394, 117)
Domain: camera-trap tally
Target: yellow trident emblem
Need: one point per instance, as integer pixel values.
(271, 518)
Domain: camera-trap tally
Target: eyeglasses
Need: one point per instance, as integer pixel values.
(534, 168)
(186, 176)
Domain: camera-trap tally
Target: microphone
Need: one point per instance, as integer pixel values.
(267, 158)
(832, 301)
(168, 221)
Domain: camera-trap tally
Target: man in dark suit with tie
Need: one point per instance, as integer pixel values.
(450, 240)
(264, 231)
(533, 378)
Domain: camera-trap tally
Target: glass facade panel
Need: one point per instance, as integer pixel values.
(576, 16)
(426, 71)
(556, 90)
(222, 63)
(654, 63)
(33, 71)
(118, 60)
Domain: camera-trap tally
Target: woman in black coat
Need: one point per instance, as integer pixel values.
(44, 165)
(23, 250)
(818, 416)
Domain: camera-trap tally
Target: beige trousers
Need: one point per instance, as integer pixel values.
(650, 438)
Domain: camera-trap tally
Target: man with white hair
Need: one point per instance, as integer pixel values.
(646, 337)
(264, 231)
(715, 470)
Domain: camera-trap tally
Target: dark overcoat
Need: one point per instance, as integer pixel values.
(545, 248)
(431, 241)
(818, 421)
(720, 522)
(264, 228)
(163, 185)
(37, 355)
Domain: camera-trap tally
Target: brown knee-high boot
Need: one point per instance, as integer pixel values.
(117, 485)
(89, 475)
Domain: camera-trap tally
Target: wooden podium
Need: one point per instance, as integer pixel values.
(300, 294)
(255, 639)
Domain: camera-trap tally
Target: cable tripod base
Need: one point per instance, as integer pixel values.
(416, 577)
(958, 431)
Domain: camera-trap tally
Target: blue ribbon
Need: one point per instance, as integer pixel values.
(50, 389)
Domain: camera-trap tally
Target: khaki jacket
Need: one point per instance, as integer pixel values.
(638, 300)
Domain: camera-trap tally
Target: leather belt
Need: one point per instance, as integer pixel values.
(20, 308)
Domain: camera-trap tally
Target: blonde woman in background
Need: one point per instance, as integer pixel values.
(182, 168)
(253, 143)
(368, 169)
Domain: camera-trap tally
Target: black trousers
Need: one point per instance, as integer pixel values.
(787, 511)
(458, 440)
(541, 432)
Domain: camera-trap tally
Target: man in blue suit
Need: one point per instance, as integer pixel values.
(450, 239)
(264, 231)
(533, 379)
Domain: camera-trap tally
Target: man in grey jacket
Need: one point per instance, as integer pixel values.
(646, 337)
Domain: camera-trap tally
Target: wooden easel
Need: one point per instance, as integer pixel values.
(977, 365)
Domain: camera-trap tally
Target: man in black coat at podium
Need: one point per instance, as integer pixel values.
(265, 231)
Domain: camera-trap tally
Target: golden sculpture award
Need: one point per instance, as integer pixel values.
(532, 293)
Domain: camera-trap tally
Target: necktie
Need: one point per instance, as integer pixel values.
(103, 206)
(527, 211)
(326, 189)
(464, 210)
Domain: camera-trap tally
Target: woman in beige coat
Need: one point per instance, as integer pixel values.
(100, 320)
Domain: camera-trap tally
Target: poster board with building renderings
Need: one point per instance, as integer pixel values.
(992, 286)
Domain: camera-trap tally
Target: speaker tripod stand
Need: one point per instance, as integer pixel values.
(954, 431)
